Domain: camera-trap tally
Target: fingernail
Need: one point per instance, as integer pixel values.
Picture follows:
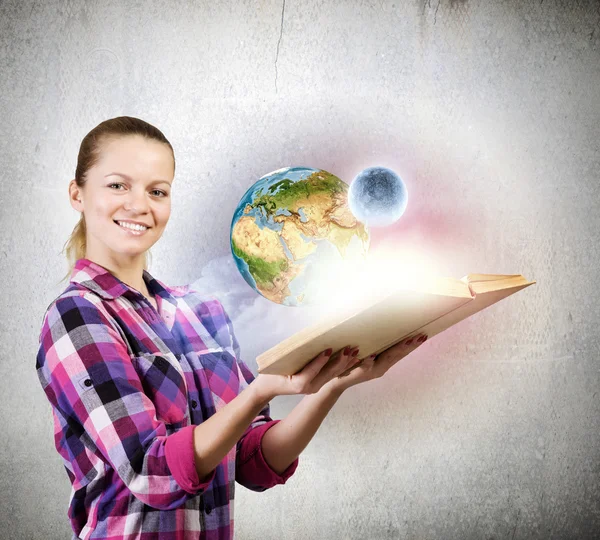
(347, 351)
(328, 352)
(409, 341)
(420, 339)
(355, 352)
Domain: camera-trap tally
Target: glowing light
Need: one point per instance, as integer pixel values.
(344, 287)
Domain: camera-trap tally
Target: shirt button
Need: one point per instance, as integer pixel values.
(208, 509)
(88, 382)
(194, 403)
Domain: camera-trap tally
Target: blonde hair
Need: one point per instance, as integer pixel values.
(89, 154)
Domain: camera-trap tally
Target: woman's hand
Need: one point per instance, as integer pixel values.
(319, 371)
(375, 366)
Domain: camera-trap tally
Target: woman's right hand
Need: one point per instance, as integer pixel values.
(319, 371)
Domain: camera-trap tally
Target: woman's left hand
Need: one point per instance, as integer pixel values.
(373, 367)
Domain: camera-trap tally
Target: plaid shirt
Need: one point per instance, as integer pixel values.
(127, 385)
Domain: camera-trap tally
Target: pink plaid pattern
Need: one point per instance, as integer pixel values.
(127, 385)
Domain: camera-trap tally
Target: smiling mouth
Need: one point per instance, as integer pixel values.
(131, 231)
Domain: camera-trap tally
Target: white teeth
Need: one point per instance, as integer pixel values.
(132, 226)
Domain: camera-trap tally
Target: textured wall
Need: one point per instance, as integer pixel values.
(489, 110)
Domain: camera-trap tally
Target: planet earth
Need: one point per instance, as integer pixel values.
(290, 232)
(377, 196)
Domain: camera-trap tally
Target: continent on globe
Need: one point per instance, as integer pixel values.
(293, 228)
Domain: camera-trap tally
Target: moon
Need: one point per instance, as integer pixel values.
(377, 197)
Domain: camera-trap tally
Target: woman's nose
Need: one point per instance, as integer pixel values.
(137, 202)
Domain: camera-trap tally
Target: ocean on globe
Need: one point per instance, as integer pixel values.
(292, 231)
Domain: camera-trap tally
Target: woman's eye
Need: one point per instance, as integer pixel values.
(159, 191)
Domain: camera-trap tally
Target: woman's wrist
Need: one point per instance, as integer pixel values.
(260, 391)
(334, 387)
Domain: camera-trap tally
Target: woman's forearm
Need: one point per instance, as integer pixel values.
(284, 442)
(215, 437)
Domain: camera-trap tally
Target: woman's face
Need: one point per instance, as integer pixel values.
(130, 183)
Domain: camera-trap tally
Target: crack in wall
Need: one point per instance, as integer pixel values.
(280, 34)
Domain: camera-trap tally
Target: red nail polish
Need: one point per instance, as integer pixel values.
(409, 341)
(355, 352)
(328, 352)
(347, 351)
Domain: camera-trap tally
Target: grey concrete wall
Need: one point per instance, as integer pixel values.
(491, 112)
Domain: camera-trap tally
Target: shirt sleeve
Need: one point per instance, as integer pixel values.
(251, 470)
(86, 372)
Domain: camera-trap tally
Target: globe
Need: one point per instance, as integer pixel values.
(292, 231)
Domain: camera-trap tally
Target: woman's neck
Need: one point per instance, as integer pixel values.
(130, 274)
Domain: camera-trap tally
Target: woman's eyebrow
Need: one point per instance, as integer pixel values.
(129, 178)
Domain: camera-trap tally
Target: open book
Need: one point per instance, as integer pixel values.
(429, 306)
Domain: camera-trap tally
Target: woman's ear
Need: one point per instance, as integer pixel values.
(75, 196)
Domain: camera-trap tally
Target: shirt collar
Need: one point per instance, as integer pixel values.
(98, 279)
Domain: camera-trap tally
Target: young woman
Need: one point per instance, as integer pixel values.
(155, 414)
